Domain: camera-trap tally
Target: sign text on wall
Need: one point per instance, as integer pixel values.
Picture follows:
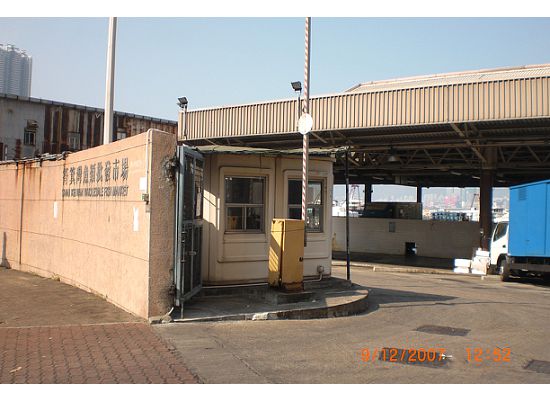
(98, 179)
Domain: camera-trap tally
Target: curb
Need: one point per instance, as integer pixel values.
(413, 270)
(410, 270)
(341, 310)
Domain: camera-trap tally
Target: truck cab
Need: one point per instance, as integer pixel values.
(499, 246)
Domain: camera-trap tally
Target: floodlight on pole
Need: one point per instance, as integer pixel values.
(393, 157)
(182, 102)
(297, 86)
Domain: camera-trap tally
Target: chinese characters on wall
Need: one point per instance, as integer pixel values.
(97, 179)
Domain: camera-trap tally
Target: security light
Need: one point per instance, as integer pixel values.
(182, 102)
(393, 157)
(297, 86)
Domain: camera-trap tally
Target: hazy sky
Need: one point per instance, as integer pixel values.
(220, 61)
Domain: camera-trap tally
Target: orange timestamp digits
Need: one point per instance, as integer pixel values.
(411, 356)
(479, 354)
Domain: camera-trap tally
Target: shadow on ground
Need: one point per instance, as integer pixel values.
(381, 296)
(31, 300)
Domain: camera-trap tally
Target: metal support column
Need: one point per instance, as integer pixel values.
(419, 194)
(486, 207)
(348, 274)
(368, 193)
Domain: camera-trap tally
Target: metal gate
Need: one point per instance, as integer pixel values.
(188, 235)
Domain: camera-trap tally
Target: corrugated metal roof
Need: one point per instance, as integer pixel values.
(453, 78)
(495, 95)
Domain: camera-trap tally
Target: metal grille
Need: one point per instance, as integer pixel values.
(542, 367)
(187, 250)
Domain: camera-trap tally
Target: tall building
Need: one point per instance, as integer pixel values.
(15, 71)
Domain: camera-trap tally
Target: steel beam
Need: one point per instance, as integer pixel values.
(469, 142)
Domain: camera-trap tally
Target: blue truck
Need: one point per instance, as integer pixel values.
(529, 232)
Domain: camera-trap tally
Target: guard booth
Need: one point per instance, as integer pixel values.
(188, 232)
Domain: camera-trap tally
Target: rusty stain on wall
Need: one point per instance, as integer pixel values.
(67, 129)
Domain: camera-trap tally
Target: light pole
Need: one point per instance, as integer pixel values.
(305, 132)
(182, 103)
(297, 86)
(109, 83)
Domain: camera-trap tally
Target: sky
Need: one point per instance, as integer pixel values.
(222, 61)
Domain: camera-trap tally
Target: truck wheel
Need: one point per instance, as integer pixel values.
(504, 270)
(499, 267)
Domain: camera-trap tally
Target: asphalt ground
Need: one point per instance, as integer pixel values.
(505, 326)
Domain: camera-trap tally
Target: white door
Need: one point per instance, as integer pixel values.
(499, 242)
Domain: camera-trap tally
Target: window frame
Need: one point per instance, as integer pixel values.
(28, 132)
(121, 134)
(73, 138)
(320, 207)
(245, 206)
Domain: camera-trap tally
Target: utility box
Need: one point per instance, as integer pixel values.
(286, 254)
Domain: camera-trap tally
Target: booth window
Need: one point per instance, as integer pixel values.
(314, 218)
(244, 204)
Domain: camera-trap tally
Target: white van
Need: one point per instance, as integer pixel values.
(499, 246)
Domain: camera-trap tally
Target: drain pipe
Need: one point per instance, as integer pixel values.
(320, 270)
(21, 209)
(145, 196)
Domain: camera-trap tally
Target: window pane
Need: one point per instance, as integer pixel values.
(313, 221)
(294, 192)
(234, 218)
(198, 188)
(244, 190)
(315, 194)
(500, 231)
(254, 218)
(188, 191)
(256, 191)
(295, 212)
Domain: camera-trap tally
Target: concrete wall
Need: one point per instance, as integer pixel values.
(243, 257)
(442, 239)
(95, 235)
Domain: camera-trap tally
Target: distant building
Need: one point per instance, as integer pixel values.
(15, 71)
(30, 127)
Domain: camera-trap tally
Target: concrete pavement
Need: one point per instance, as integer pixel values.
(328, 298)
(54, 333)
(497, 316)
